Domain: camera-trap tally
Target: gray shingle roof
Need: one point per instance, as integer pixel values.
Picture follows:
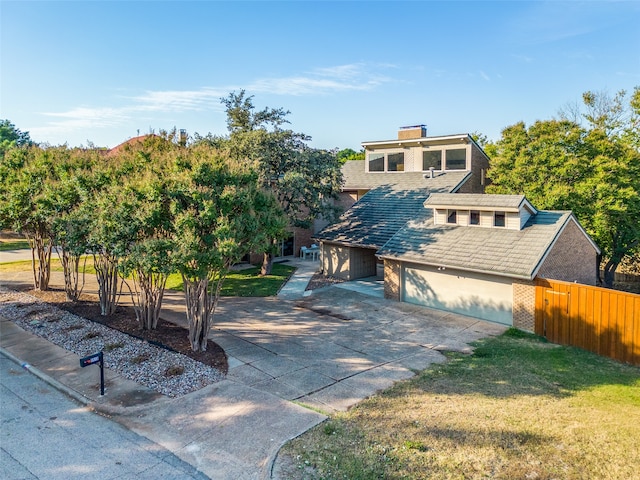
(512, 253)
(475, 200)
(379, 214)
(355, 178)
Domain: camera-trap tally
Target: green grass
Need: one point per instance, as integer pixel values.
(518, 408)
(13, 245)
(243, 283)
(246, 283)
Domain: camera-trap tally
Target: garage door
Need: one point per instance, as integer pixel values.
(476, 295)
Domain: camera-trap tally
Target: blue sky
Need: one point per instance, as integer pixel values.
(348, 72)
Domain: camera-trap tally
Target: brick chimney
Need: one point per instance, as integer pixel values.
(411, 132)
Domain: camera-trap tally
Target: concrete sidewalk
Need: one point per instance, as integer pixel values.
(46, 435)
(328, 350)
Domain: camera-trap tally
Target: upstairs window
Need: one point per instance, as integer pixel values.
(386, 162)
(499, 219)
(432, 158)
(474, 217)
(376, 162)
(395, 162)
(452, 216)
(456, 159)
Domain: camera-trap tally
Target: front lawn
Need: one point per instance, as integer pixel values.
(242, 283)
(518, 408)
(6, 244)
(248, 282)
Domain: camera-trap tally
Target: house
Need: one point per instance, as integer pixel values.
(418, 209)
(480, 255)
(388, 189)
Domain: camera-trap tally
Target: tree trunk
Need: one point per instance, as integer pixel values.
(107, 274)
(40, 260)
(267, 264)
(147, 298)
(610, 273)
(201, 304)
(71, 268)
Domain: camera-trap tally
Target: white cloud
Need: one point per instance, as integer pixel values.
(341, 78)
(320, 81)
(485, 76)
(177, 100)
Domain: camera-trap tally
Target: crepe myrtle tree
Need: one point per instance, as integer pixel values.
(219, 215)
(147, 262)
(27, 205)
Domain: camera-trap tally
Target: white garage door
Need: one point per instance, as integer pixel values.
(473, 294)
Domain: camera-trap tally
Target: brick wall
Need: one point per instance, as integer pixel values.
(479, 166)
(572, 258)
(524, 305)
(392, 280)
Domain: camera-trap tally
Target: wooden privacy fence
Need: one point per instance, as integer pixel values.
(600, 320)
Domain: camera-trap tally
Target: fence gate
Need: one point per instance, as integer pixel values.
(600, 320)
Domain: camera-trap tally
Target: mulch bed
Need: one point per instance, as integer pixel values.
(167, 335)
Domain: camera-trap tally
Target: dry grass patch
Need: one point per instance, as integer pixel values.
(519, 408)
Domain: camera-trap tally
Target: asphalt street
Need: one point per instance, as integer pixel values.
(47, 435)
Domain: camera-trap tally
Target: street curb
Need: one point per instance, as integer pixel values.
(46, 378)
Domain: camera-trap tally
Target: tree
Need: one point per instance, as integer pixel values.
(217, 208)
(305, 180)
(27, 204)
(69, 230)
(11, 137)
(592, 169)
(347, 154)
(148, 260)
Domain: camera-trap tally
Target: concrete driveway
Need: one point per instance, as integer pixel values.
(331, 349)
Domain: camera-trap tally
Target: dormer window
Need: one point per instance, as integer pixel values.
(474, 217)
(452, 216)
(499, 219)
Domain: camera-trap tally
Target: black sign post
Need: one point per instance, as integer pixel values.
(90, 360)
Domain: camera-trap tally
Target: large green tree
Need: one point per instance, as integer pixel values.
(304, 180)
(588, 162)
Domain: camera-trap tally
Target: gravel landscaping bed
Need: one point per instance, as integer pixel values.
(168, 372)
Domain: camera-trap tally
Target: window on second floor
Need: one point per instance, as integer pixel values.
(395, 162)
(452, 216)
(442, 158)
(376, 162)
(386, 162)
(456, 159)
(499, 219)
(432, 158)
(474, 217)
